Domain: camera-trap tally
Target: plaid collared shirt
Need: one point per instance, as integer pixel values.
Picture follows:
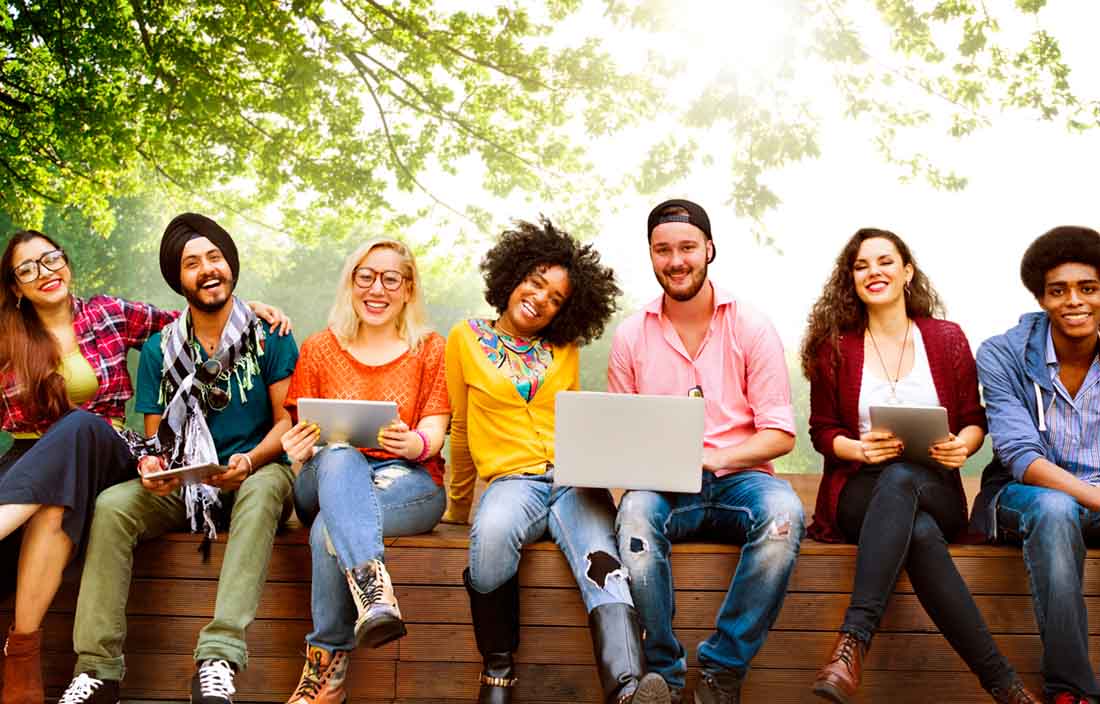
(106, 327)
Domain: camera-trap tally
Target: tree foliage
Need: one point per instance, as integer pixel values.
(320, 107)
(947, 66)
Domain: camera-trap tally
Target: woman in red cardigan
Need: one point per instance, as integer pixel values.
(873, 340)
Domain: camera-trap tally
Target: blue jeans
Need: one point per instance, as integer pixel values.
(517, 510)
(1054, 529)
(751, 509)
(352, 501)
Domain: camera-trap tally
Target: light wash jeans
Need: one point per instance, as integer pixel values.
(1054, 530)
(350, 501)
(752, 509)
(517, 510)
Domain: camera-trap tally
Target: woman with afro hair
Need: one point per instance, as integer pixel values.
(876, 337)
(551, 295)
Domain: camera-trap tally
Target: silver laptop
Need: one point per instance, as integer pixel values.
(628, 441)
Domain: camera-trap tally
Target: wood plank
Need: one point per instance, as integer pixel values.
(177, 635)
(443, 683)
(265, 680)
(550, 645)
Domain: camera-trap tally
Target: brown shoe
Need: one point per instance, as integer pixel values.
(23, 668)
(1016, 693)
(379, 618)
(322, 680)
(839, 679)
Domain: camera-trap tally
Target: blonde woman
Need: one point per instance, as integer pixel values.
(376, 347)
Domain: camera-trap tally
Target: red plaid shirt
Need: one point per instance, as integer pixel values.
(106, 327)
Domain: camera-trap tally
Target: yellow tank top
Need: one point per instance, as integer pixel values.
(81, 385)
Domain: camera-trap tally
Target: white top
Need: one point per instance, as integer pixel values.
(914, 389)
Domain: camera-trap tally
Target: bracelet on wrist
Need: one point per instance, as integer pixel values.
(427, 450)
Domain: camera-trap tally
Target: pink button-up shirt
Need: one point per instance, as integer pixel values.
(740, 368)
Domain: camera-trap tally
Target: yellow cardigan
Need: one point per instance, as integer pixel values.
(494, 431)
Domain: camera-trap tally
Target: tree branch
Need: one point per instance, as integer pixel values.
(444, 45)
(202, 196)
(400, 163)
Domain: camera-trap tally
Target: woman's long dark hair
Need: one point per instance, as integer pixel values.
(27, 350)
(839, 309)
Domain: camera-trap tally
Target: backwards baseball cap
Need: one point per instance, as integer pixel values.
(695, 216)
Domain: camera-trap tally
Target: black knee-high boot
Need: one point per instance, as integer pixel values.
(617, 641)
(496, 628)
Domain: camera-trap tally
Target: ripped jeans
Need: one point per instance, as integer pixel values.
(350, 501)
(755, 510)
(517, 510)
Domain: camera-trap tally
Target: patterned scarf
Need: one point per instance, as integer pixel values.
(183, 435)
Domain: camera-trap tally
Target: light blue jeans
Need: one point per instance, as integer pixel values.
(755, 510)
(517, 510)
(350, 501)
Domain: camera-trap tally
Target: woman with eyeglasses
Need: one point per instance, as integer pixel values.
(63, 392)
(876, 336)
(377, 347)
(551, 295)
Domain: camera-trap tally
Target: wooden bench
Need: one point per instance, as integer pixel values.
(173, 597)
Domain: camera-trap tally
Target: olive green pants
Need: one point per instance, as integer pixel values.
(127, 514)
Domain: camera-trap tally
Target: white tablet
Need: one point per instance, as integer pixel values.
(355, 423)
(191, 474)
(918, 427)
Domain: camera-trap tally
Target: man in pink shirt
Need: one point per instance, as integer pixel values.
(696, 339)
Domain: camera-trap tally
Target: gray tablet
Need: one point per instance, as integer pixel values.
(191, 474)
(918, 427)
(355, 423)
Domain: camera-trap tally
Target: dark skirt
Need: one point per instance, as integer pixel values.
(77, 458)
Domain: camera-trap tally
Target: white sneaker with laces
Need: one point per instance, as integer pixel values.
(212, 683)
(85, 689)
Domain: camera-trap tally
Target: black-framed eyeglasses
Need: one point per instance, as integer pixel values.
(30, 270)
(215, 398)
(364, 277)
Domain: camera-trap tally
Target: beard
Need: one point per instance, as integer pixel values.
(693, 285)
(193, 296)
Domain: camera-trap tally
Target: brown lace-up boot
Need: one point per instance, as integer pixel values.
(23, 668)
(322, 680)
(838, 680)
(1015, 693)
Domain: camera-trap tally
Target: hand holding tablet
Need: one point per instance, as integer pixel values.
(919, 429)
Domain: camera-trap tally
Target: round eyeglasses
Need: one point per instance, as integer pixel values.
(215, 398)
(364, 277)
(30, 270)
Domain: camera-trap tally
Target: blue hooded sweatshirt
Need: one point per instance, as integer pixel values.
(1017, 389)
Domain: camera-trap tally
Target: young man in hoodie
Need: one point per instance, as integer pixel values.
(1042, 392)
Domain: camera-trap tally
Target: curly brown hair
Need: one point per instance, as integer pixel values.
(839, 309)
(528, 247)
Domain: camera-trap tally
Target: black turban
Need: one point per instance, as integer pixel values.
(182, 230)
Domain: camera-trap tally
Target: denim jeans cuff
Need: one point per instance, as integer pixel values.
(862, 635)
(231, 650)
(102, 668)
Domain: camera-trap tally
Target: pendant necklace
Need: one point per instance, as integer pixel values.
(897, 375)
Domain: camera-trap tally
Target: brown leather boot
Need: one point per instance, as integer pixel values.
(23, 668)
(839, 679)
(322, 680)
(1016, 693)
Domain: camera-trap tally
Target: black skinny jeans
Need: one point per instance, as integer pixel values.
(899, 515)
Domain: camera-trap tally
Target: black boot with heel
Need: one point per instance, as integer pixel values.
(496, 628)
(616, 639)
